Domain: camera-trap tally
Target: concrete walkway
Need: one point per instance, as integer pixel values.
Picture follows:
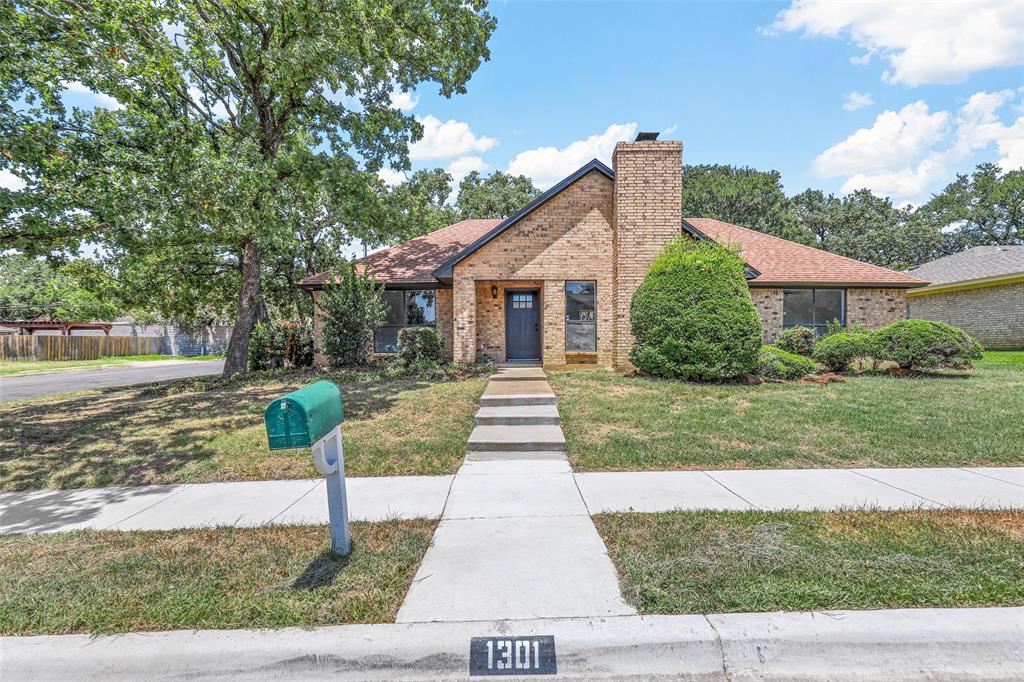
(515, 540)
(892, 645)
(256, 503)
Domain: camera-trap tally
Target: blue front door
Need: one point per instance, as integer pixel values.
(522, 324)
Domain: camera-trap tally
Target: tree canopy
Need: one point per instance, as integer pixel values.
(497, 195)
(224, 110)
(31, 288)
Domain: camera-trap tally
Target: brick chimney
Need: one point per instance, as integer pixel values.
(648, 214)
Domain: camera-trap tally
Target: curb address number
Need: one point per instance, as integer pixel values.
(534, 655)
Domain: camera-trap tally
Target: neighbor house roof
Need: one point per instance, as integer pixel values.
(980, 264)
(414, 261)
(780, 262)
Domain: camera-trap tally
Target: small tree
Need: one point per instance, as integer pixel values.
(353, 306)
(692, 316)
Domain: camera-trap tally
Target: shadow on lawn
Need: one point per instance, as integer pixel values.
(320, 572)
(146, 435)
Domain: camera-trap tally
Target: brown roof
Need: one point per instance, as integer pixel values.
(780, 261)
(414, 261)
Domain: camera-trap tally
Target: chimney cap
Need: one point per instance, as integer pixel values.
(646, 137)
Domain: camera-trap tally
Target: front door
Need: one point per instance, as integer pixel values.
(522, 324)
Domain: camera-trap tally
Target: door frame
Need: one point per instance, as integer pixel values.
(540, 321)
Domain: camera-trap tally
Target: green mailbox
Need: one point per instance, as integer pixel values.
(303, 417)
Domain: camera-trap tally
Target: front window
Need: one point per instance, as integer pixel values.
(580, 317)
(406, 308)
(812, 308)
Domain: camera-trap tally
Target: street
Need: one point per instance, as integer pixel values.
(18, 387)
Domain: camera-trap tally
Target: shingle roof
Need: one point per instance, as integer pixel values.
(782, 262)
(412, 262)
(977, 263)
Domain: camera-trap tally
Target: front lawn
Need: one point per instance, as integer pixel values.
(19, 367)
(211, 429)
(276, 576)
(614, 422)
(716, 562)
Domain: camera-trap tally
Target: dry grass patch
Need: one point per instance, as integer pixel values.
(105, 582)
(715, 562)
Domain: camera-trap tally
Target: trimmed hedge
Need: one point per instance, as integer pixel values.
(421, 344)
(837, 351)
(775, 363)
(799, 340)
(692, 317)
(914, 344)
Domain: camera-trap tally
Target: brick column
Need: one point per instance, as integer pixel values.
(648, 215)
(464, 314)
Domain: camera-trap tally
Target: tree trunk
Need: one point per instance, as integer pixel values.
(249, 299)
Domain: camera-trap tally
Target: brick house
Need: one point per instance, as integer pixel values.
(980, 290)
(553, 282)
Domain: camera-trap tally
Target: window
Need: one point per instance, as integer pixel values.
(522, 300)
(812, 308)
(406, 308)
(580, 317)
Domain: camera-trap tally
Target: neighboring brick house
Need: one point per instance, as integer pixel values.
(980, 290)
(554, 281)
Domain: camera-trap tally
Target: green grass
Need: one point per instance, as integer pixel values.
(614, 422)
(17, 367)
(717, 562)
(106, 582)
(211, 429)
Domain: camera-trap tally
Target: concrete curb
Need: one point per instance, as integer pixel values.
(909, 644)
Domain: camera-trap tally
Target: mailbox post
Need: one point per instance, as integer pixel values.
(311, 417)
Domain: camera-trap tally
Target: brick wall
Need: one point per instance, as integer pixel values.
(648, 215)
(875, 308)
(443, 316)
(568, 238)
(768, 302)
(993, 315)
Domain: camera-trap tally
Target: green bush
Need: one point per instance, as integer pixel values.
(837, 351)
(262, 353)
(280, 344)
(775, 363)
(799, 340)
(353, 307)
(418, 345)
(692, 317)
(922, 343)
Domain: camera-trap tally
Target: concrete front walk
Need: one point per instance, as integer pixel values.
(892, 645)
(248, 503)
(515, 540)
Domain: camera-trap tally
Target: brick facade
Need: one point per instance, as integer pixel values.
(768, 302)
(568, 238)
(648, 215)
(875, 308)
(994, 315)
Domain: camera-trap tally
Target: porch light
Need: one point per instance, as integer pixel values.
(494, 291)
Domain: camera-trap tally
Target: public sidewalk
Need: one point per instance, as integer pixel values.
(256, 503)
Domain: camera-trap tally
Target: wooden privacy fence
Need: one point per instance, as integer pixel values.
(24, 347)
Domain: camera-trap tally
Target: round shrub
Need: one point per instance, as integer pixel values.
(775, 363)
(692, 317)
(420, 345)
(799, 340)
(837, 351)
(922, 343)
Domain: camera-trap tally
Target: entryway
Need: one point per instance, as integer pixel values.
(522, 324)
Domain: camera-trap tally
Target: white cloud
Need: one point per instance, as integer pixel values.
(445, 139)
(923, 42)
(9, 180)
(102, 100)
(547, 165)
(463, 166)
(391, 177)
(904, 153)
(893, 141)
(857, 100)
(404, 101)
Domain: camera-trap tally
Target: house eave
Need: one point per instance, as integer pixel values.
(965, 285)
(809, 284)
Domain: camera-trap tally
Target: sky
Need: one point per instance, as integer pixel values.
(896, 97)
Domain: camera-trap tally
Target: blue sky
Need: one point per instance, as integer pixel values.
(894, 96)
(760, 84)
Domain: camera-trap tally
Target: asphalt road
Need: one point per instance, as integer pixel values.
(29, 386)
